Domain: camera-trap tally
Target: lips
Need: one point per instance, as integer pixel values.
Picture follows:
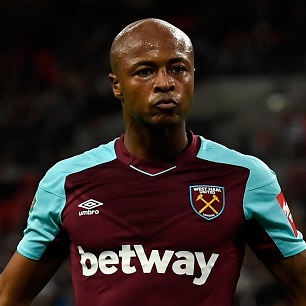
(166, 104)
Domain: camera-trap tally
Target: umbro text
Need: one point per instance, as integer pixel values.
(89, 212)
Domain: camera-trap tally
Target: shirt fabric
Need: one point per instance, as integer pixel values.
(141, 232)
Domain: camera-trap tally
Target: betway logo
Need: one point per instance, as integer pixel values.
(108, 262)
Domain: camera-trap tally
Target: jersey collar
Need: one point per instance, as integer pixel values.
(154, 168)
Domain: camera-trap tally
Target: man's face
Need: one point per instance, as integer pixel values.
(155, 80)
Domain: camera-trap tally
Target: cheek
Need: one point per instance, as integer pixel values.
(134, 91)
(133, 103)
(137, 98)
(188, 93)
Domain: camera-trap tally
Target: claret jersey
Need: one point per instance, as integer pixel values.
(138, 232)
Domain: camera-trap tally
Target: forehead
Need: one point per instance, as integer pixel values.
(154, 41)
(155, 48)
(156, 37)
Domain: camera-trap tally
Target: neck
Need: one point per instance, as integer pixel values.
(158, 144)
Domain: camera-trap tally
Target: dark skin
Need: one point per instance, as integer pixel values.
(153, 77)
(155, 84)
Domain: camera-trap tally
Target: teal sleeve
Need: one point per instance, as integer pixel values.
(44, 221)
(262, 203)
(43, 224)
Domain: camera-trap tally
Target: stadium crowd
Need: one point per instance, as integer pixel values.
(56, 99)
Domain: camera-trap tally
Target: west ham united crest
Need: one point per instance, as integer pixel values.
(207, 200)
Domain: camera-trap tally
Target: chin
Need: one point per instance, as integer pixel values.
(165, 124)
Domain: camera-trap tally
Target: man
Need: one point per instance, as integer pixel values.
(159, 215)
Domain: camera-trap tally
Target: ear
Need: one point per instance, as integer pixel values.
(115, 86)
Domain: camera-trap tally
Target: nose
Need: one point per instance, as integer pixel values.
(163, 81)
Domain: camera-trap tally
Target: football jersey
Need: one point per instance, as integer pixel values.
(144, 233)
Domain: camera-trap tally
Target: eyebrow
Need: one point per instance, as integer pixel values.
(154, 63)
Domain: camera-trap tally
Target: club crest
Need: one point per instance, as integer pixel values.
(207, 200)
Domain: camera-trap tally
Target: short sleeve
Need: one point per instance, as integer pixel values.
(270, 227)
(43, 229)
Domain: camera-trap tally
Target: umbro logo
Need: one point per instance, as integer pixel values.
(89, 207)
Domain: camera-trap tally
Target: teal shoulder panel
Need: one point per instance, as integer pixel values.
(260, 173)
(55, 177)
(44, 220)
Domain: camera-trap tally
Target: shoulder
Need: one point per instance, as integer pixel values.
(58, 172)
(260, 172)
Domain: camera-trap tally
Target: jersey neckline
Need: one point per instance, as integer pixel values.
(152, 167)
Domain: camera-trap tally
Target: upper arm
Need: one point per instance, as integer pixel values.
(24, 278)
(291, 272)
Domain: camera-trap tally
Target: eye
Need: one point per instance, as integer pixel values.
(144, 72)
(178, 69)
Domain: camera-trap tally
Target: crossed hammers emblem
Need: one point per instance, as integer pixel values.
(208, 204)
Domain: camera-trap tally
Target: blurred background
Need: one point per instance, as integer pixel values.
(56, 99)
